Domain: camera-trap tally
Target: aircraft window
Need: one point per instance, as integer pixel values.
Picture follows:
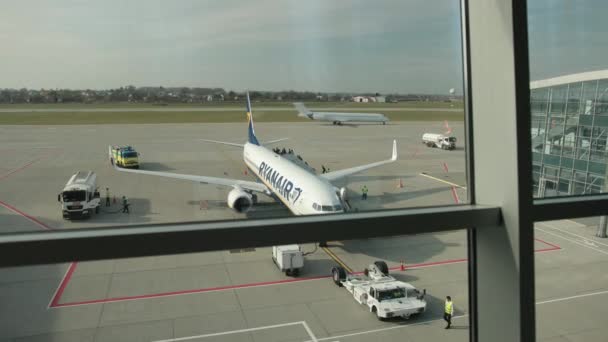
(327, 208)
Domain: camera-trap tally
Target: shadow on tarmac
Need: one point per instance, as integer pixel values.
(154, 166)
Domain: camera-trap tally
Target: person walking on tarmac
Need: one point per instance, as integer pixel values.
(107, 197)
(125, 205)
(449, 311)
(364, 191)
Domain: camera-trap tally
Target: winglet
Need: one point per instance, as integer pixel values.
(394, 157)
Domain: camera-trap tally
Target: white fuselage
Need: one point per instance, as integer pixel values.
(303, 192)
(347, 117)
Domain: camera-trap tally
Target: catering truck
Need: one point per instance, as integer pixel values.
(439, 140)
(80, 197)
(123, 156)
(382, 294)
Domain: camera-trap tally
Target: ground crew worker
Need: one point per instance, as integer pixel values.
(449, 311)
(323, 168)
(125, 205)
(364, 191)
(107, 197)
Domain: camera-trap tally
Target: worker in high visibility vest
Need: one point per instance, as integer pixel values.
(364, 191)
(449, 311)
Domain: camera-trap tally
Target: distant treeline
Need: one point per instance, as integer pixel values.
(156, 95)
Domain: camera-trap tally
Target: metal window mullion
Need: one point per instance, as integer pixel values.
(558, 208)
(162, 239)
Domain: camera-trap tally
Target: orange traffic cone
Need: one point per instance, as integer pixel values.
(245, 172)
(402, 266)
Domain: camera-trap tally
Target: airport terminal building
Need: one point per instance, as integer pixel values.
(569, 134)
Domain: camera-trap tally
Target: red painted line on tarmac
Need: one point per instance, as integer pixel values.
(455, 195)
(21, 168)
(184, 292)
(31, 218)
(554, 247)
(55, 303)
(429, 264)
(64, 283)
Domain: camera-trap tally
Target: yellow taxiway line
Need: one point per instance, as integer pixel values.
(443, 181)
(336, 259)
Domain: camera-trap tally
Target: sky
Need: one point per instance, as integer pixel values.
(385, 46)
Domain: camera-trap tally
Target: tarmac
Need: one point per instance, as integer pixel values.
(240, 295)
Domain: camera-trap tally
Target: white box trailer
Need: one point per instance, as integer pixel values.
(288, 258)
(382, 294)
(439, 140)
(80, 197)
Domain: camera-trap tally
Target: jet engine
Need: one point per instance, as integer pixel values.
(239, 200)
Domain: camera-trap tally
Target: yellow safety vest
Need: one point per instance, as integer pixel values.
(448, 307)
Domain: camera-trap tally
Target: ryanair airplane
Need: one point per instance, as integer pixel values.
(302, 191)
(337, 118)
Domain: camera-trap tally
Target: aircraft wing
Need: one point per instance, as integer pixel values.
(247, 185)
(335, 175)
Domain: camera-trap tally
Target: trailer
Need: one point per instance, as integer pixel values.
(288, 258)
(383, 295)
(80, 196)
(439, 140)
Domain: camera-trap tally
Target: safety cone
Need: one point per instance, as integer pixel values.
(400, 184)
(402, 266)
(245, 172)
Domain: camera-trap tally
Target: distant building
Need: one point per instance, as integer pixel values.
(364, 99)
(209, 97)
(381, 99)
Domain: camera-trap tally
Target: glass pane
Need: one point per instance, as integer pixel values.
(160, 92)
(567, 72)
(277, 294)
(571, 289)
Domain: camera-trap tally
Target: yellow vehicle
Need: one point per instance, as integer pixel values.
(124, 156)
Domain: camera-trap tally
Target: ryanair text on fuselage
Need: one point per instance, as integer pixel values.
(281, 185)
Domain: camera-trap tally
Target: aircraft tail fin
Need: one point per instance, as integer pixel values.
(302, 110)
(251, 132)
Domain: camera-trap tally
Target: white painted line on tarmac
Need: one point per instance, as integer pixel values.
(230, 332)
(585, 239)
(576, 223)
(455, 317)
(572, 297)
(309, 331)
(574, 241)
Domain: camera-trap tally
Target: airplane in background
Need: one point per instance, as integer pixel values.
(337, 118)
(301, 190)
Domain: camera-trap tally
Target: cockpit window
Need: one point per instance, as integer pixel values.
(327, 208)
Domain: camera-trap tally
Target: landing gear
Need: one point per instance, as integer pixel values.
(254, 198)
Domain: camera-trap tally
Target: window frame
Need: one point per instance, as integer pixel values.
(497, 230)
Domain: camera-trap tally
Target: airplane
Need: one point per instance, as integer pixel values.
(302, 191)
(338, 118)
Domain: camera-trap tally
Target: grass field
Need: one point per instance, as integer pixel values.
(239, 105)
(84, 118)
